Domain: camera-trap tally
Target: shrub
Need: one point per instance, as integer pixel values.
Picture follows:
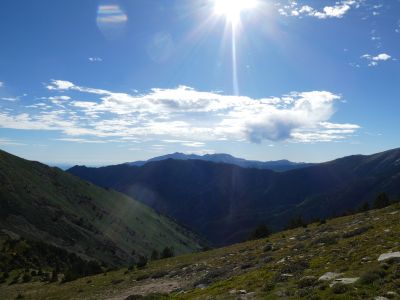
(167, 252)
(267, 247)
(357, 231)
(26, 278)
(381, 201)
(116, 281)
(328, 239)
(296, 222)
(260, 232)
(340, 288)
(142, 261)
(269, 286)
(371, 276)
(155, 255)
(307, 282)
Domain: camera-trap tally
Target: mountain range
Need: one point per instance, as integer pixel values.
(277, 165)
(225, 202)
(40, 203)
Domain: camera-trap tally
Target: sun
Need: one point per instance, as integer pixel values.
(231, 9)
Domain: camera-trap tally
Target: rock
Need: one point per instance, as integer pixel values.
(380, 298)
(201, 286)
(243, 292)
(232, 292)
(345, 280)
(391, 295)
(367, 258)
(389, 255)
(329, 276)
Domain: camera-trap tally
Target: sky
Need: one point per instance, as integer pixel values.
(105, 82)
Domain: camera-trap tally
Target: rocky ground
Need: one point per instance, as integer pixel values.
(353, 257)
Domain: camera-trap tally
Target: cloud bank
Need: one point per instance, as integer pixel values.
(180, 114)
(339, 10)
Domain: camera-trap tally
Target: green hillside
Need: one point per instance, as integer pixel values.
(39, 203)
(343, 258)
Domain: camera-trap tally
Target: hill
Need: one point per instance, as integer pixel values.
(278, 165)
(39, 203)
(224, 202)
(352, 257)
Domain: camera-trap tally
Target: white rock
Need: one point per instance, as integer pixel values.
(380, 298)
(329, 276)
(345, 280)
(385, 256)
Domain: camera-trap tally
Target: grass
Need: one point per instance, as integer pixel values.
(47, 204)
(285, 265)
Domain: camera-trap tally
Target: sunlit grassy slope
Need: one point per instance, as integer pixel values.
(46, 204)
(287, 265)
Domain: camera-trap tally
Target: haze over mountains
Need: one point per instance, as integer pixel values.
(278, 165)
(45, 204)
(224, 202)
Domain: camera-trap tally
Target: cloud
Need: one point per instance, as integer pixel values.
(1, 84)
(10, 98)
(7, 142)
(374, 60)
(339, 10)
(181, 115)
(95, 59)
(78, 140)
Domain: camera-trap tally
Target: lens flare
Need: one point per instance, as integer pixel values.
(232, 9)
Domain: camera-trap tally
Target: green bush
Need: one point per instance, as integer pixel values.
(26, 278)
(339, 288)
(371, 276)
(260, 232)
(167, 252)
(142, 261)
(307, 282)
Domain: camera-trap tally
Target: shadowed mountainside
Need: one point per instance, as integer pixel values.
(224, 202)
(45, 204)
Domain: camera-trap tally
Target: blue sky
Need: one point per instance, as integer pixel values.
(102, 82)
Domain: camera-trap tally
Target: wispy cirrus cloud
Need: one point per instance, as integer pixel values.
(8, 142)
(183, 114)
(339, 10)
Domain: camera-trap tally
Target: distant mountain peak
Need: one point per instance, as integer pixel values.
(278, 165)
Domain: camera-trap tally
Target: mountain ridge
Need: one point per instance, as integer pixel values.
(41, 203)
(277, 165)
(225, 202)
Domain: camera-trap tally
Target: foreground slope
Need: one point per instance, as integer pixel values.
(344, 258)
(224, 202)
(46, 204)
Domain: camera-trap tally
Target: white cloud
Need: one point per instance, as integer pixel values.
(10, 99)
(60, 85)
(374, 60)
(95, 59)
(77, 140)
(339, 10)
(7, 142)
(194, 144)
(1, 84)
(182, 115)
